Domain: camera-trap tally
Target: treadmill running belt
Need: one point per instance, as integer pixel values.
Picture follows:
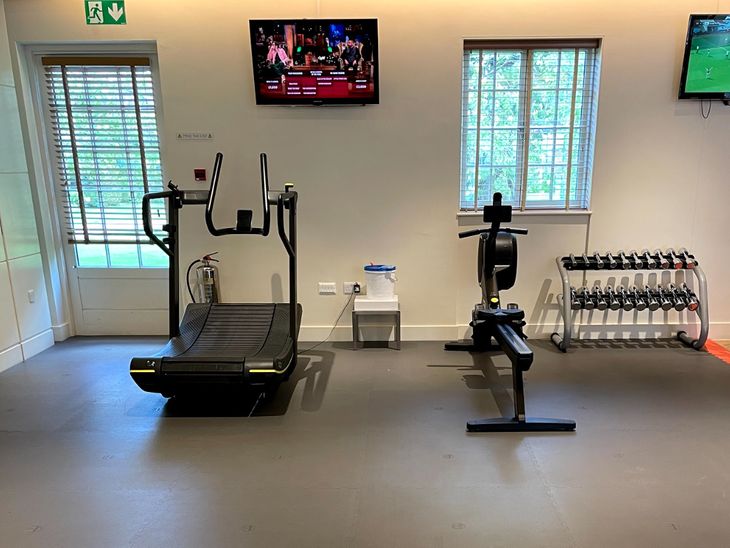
(232, 331)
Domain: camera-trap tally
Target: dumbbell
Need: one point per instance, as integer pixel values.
(661, 259)
(638, 299)
(651, 299)
(575, 303)
(675, 261)
(586, 261)
(599, 261)
(625, 263)
(626, 302)
(664, 300)
(586, 299)
(689, 262)
(679, 302)
(692, 302)
(650, 261)
(573, 262)
(613, 302)
(638, 263)
(612, 264)
(601, 303)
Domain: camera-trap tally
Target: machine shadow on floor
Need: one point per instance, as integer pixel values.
(312, 371)
(484, 374)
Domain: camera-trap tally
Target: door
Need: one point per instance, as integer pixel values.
(102, 130)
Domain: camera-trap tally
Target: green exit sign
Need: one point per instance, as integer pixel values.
(105, 12)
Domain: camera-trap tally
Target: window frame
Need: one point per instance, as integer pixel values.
(527, 47)
(34, 55)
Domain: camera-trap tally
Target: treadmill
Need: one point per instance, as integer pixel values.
(223, 345)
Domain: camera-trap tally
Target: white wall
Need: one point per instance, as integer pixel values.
(385, 186)
(24, 325)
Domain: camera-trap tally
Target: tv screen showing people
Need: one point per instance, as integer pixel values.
(706, 67)
(315, 61)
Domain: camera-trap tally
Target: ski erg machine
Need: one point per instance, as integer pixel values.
(219, 345)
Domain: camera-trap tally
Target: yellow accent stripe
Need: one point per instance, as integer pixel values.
(141, 370)
(265, 371)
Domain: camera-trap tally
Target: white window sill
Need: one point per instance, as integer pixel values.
(535, 212)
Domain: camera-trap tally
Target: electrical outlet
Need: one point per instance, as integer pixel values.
(31, 296)
(327, 288)
(348, 288)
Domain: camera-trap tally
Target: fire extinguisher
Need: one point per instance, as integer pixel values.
(207, 280)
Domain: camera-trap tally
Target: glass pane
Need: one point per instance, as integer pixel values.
(545, 69)
(124, 255)
(104, 112)
(91, 256)
(507, 69)
(506, 109)
(153, 256)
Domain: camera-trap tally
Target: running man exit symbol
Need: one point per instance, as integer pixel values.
(105, 12)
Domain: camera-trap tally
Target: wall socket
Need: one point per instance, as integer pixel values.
(348, 288)
(327, 288)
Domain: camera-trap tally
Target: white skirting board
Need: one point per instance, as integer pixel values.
(316, 333)
(10, 357)
(37, 344)
(25, 350)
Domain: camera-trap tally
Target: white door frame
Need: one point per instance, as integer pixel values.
(62, 276)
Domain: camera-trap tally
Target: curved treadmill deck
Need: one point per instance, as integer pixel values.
(222, 344)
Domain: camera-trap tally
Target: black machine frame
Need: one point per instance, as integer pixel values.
(497, 269)
(149, 373)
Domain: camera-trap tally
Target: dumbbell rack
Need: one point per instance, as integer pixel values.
(573, 263)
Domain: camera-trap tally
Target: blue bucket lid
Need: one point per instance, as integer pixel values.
(379, 268)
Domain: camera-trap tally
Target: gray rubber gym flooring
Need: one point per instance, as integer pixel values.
(368, 449)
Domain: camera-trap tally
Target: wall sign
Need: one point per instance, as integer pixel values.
(195, 136)
(105, 12)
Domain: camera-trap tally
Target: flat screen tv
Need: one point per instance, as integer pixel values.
(706, 65)
(315, 61)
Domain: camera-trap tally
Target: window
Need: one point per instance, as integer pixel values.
(104, 132)
(528, 123)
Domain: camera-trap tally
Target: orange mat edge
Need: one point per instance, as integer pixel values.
(718, 351)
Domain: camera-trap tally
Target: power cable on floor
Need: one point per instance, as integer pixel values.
(333, 327)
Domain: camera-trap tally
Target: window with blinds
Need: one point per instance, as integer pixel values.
(528, 123)
(104, 131)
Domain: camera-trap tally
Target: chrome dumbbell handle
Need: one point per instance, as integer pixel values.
(599, 260)
(650, 261)
(575, 304)
(638, 299)
(626, 302)
(679, 302)
(601, 303)
(675, 261)
(625, 263)
(651, 300)
(613, 302)
(689, 262)
(611, 261)
(638, 263)
(664, 301)
(661, 259)
(692, 303)
(587, 299)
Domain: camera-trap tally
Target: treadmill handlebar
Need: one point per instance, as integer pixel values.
(147, 220)
(261, 231)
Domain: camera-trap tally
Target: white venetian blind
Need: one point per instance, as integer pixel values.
(528, 122)
(104, 129)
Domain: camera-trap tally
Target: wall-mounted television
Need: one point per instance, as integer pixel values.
(706, 65)
(315, 61)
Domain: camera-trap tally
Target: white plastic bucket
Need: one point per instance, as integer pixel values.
(380, 280)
